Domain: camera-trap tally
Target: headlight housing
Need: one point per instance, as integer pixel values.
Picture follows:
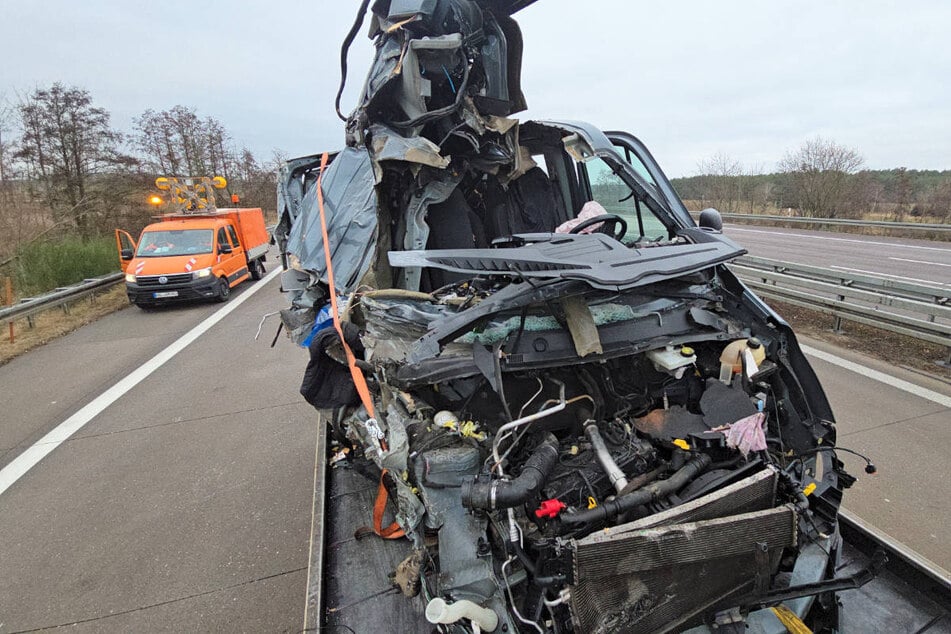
(130, 277)
(205, 272)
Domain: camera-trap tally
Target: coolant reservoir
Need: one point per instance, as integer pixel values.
(732, 355)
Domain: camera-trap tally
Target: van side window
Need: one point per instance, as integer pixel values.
(222, 237)
(234, 237)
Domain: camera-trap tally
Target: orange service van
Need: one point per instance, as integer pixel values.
(193, 255)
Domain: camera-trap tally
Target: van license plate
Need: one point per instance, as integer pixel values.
(165, 294)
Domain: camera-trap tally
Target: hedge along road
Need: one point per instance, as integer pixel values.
(184, 503)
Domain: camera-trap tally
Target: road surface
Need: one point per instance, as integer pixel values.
(921, 261)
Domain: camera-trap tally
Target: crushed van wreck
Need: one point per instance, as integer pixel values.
(583, 422)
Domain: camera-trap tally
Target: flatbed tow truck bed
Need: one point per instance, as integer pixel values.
(349, 588)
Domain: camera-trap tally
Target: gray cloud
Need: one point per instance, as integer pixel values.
(692, 78)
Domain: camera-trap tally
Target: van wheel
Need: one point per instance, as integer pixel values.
(257, 269)
(224, 291)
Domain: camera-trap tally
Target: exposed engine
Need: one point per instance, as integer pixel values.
(687, 461)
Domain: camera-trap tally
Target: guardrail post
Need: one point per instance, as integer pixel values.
(8, 299)
(837, 322)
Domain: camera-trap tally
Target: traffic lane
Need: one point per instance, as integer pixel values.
(120, 522)
(209, 379)
(145, 508)
(203, 612)
(47, 385)
(923, 261)
(906, 436)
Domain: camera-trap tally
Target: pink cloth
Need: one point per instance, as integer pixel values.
(747, 434)
(591, 209)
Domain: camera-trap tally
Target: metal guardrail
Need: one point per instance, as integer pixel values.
(915, 310)
(920, 226)
(28, 307)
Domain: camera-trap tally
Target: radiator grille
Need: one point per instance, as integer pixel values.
(655, 574)
(153, 280)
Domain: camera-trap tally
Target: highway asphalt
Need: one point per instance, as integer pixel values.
(185, 504)
(921, 261)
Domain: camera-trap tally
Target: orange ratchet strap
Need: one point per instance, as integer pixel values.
(358, 379)
(393, 531)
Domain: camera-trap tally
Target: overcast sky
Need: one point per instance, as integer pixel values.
(691, 79)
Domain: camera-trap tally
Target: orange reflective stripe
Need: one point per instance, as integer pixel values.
(393, 531)
(358, 379)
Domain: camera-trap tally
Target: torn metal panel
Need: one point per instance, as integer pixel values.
(594, 258)
(388, 145)
(350, 205)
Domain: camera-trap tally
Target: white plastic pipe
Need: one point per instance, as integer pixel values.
(438, 611)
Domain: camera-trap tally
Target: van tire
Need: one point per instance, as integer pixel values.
(224, 290)
(257, 269)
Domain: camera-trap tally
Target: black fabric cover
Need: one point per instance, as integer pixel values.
(528, 206)
(327, 382)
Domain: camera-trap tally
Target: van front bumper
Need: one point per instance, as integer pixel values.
(150, 289)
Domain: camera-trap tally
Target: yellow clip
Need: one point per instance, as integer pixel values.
(574, 450)
(683, 444)
(790, 621)
(592, 503)
(470, 429)
(809, 488)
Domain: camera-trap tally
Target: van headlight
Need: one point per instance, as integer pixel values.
(205, 272)
(130, 278)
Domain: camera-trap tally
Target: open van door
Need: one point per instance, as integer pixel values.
(125, 245)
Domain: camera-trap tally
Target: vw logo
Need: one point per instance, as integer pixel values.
(162, 279)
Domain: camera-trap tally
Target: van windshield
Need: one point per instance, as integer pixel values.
(181, 242)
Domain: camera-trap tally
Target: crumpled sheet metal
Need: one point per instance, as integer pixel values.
(350, 205)
(389, 145)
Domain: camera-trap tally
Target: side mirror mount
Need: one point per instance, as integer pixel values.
(125, 254)
(224, 248)
(711, 220)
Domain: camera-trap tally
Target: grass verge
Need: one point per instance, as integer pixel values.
(898, 350)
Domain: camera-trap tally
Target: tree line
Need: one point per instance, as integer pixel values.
(820, 179)
(63, 166)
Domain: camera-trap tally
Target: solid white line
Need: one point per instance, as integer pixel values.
(920, 262)
(804, 235)
(881, 377)
(897, 277)
(45, 445)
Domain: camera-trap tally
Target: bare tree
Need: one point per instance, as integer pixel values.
(177, 142)
(6, 121)
(720, 180)
(819, 174)
(65, 142)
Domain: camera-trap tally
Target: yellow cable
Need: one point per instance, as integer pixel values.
(790, 621)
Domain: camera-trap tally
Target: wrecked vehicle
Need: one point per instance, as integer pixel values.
(582, 420)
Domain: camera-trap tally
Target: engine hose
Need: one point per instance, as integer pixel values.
(486, 494)
(624, 503)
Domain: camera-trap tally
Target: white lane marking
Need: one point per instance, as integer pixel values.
(45, 445)
(897, 277)
(881, 377)
(803, 235)
(919, 262)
